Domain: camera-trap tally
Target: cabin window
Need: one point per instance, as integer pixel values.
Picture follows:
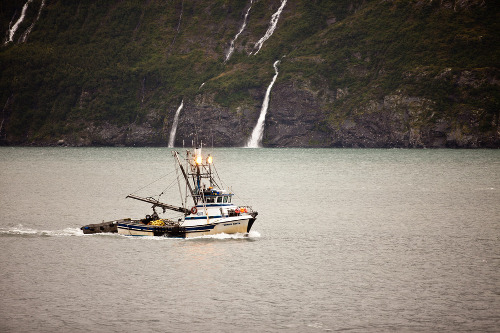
(219, 199)
(229, 199)
(210, 200)
(225, 199)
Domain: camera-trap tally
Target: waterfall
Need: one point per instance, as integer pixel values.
(171, 140)
(178, 24)
(28, 31)
(12, 30)
(255, 140)
(3, 115)
(272, 26)
(180, 17)
(231, 48)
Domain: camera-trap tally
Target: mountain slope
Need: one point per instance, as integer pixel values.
(352, 73)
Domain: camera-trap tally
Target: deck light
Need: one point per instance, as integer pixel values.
(209, 159)
(198, 159)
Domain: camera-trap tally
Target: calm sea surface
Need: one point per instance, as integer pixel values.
(346, 240)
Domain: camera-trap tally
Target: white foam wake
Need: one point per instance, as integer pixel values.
(171, 140)
(20, 230)
(251, 234)
(13, 29)
(231, 47)
(272, 26)
(255, 140)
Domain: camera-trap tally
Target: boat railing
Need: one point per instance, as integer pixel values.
(240, 210)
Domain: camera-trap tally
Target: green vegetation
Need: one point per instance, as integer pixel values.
(100, 61)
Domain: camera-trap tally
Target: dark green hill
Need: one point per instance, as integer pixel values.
(352, 73)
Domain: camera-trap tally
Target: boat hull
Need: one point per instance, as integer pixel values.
(104, 227)
(139, 229)
(232, 226)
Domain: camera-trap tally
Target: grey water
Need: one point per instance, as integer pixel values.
(346, 240)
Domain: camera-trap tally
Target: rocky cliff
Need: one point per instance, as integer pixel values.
(351, 73)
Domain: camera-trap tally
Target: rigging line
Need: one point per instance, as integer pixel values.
(222, 182)
(210, 178)
(169, 186)
(205, 206)
(186, 186)
(154, 181)
(242, 199)
(179, 183)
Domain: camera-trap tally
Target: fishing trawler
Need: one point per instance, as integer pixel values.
(212, 212)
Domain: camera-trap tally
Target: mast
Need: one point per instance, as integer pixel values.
(201, 168)
(198, 161)
(176, 155)
(197, 169)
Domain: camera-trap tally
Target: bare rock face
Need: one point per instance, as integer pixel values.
(294, 119)
(145, 133)
(299, 116)
(454, 4)
(214, 125)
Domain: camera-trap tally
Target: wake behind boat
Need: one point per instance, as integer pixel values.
(213, 210)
